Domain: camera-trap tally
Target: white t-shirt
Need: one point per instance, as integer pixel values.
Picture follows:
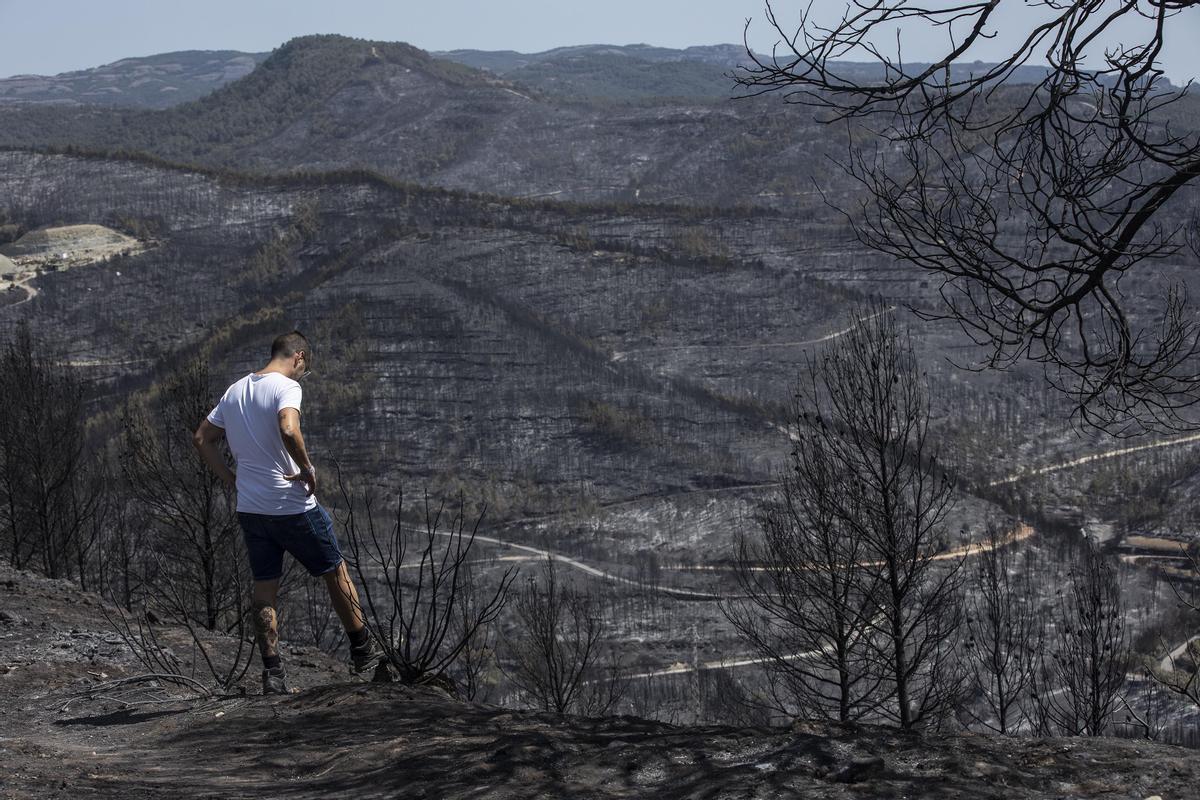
(249, 413)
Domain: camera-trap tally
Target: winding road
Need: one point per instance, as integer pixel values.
(1021, 533)
(1168, 661)
(680, 668)
(620, 355)
(1078, 462)
(1018, 534)
(30, 290)
(596, 572)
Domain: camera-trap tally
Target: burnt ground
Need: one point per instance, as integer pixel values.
(385, 740)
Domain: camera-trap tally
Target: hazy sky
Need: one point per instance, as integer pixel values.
(62, 35)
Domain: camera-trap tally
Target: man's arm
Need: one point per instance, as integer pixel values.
(293, 442)
(205, 438)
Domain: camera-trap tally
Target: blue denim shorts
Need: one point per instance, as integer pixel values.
(308, 537)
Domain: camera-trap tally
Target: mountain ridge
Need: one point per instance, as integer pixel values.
(327, 103)
(156, 81)
(591, 72)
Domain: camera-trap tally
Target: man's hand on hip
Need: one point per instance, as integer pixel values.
(309, 476)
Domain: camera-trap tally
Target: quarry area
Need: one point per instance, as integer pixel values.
(59, 248)
(68, 246)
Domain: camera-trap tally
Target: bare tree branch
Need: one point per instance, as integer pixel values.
(419, 621)
(1031, 202)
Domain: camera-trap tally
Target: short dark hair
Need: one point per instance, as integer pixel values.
(286, 345)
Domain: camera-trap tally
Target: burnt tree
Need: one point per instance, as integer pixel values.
(1077, 687)
(426, 606)
(197, 569)
(1004, 633)
(558, 657)
(50, 479)
(874, 533)
(810, 599)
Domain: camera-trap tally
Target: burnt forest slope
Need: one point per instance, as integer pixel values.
(536, 346)
(328, 102)
(552, 351)
(547, 355)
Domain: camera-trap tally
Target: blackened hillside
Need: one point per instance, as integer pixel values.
(328, 102)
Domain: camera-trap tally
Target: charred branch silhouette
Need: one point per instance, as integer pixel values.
(1077, 686)
(1004, 634)
(1032, 203)
(558, 655)
(416, 607)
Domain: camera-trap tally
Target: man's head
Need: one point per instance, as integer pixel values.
(291, 354)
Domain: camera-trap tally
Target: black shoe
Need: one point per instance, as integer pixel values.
(382, 673)
(366, 656)
(273, 682)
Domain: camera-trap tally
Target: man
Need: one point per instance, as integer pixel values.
(277, 498)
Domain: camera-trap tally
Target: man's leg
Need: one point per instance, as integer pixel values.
(344, 598)
(266, 564)
(364, 655)
(266, 623)
(320, 553)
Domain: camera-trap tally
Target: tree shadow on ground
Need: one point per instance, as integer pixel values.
(387, 740)
(125, 716)
(392, 740)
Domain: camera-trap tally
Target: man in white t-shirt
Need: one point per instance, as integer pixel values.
(277, 506)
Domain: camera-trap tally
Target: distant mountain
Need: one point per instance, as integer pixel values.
(613, 72)
(584, 73)
(325, 103)
(870, 71)
(639, 71)
(506, 61)
(158, 81)
(608, 76)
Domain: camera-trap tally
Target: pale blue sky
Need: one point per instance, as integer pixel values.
(59, 35)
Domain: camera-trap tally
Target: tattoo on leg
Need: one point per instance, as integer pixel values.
(265, 626)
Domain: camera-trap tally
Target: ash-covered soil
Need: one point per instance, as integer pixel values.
(335, 737)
